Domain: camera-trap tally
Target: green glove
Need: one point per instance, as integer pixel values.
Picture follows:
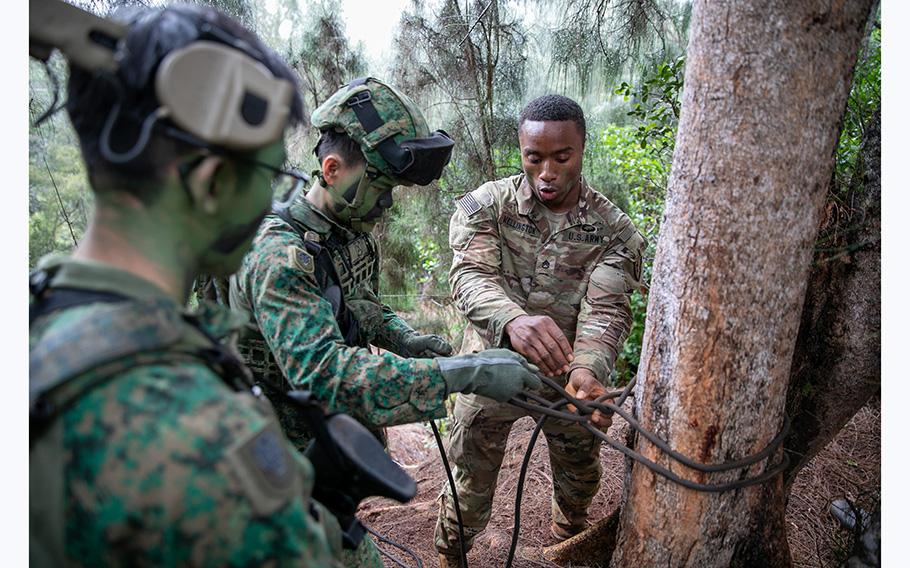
(499, 374)
(425, 346)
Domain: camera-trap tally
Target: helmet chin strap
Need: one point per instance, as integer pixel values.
(352, 201)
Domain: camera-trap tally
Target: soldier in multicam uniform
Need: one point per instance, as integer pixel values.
(543, 264)
(311, 282)
(144, 450)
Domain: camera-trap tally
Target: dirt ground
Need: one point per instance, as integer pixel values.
(849, 466)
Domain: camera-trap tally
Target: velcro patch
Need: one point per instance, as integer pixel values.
(627, 233)
(266, 470)
(301, 260)
(468, 205)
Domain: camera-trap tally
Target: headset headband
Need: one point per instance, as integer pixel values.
(217, 93)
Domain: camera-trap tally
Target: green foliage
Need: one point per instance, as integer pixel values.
(58, 198)
(415, 250)
(639, 176)
(865, 98)
(631, 165)
(655, 105)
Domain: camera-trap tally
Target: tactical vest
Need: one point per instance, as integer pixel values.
(69, 361)
(340, 269)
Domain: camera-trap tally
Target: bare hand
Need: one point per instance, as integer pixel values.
(584, 385)
(541, 341)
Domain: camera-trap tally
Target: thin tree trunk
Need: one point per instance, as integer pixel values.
(837, 364)
(766, 85)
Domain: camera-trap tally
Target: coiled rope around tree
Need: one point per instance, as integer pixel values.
(582, 414)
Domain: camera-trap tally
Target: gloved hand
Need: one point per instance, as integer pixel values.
(430, 345)
(499, 374)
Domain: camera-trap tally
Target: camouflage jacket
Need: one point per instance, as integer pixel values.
(160, 463)
(513, 257)
(276, 285)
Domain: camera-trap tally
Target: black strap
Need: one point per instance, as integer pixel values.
(327, 278)
(362, 105)
(55, 299)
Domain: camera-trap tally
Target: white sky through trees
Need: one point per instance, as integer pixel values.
(371, 22)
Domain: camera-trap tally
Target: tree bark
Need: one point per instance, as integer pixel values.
(837, 364)
(766, 85)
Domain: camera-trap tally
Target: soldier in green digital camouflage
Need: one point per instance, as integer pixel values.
(545, 265)
(145, 448)
(311, 282)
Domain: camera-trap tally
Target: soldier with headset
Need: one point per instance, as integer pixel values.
(146, 449)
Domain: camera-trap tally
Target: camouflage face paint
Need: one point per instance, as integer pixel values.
(244, 208)
(367, 197)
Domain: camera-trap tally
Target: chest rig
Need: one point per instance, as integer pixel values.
(340, 268)
(354, 261)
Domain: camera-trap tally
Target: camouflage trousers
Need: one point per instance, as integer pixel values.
(366, 555)
(476, 447)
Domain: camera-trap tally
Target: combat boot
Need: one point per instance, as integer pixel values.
(563, 532)
(449, 561)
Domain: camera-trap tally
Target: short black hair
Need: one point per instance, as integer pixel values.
(554, 108)
(333, 142)
(153, 33)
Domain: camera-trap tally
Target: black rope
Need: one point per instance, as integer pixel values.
(399, 546)
(445, 462)
(587, 407)
(535, 403)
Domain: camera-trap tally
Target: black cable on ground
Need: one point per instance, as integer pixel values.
(519, 489)
(445, 463)
(399, 546)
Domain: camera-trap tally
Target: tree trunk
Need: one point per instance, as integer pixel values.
(837, 363)
(766, 85)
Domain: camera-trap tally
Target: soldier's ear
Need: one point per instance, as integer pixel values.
(202, 181)
(331, 169)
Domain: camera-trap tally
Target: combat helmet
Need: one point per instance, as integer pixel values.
(390, 129)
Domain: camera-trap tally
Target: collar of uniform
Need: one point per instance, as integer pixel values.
(69, 272)
(525, 196)
(527, 202)
(85, 274)
(304, 212)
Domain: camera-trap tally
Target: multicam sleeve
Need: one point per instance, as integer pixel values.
(476, 275)
(300, 329)
(606, 315)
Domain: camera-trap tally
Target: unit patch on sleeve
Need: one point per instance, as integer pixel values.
(266, 470)
(301, 260)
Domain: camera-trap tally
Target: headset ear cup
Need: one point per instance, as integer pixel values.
(223, 96)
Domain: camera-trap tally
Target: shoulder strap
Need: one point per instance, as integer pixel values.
(62, 298)
(326, 277)
(87, 351)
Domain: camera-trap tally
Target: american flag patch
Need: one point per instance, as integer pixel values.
(468, 204)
